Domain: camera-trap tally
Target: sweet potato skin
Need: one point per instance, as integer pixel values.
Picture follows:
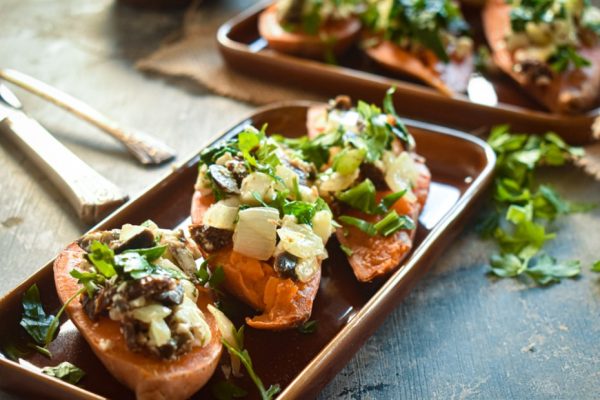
(305, 45)
(571, 92)
(150, 377)
(446, 78)
(284, 303)
(375, 256)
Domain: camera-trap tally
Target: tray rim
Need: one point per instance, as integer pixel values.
(226, 43)
(296, 387)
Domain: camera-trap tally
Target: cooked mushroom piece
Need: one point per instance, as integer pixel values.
(106, 237)
(223, 178)
(374, 174)
(285, 265)
(140, 239)
(211, 238)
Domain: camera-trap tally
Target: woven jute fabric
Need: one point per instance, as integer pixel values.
(186, 55)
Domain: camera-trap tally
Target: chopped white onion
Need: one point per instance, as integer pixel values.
(401, 172)
(255, 233)
(189, 290)
(287, 175)
(224, 158)
(150, 313)
(159, 332)
(257, 183)
(300, 240)
(322, 226)
(306, 268)
(220, 216)
(188, 314)
(227, 330)
(169, 265)
(308, 194)
(334, 182)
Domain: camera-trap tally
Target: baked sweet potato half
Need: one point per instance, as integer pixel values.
(374, 181)
(425, 40)
(256, 214)
(309, 28)
(550, 49)
(139, 310)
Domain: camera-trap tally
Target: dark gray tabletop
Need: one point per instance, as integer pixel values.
(459, 335)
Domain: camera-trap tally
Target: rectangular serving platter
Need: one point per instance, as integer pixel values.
(347, 312)
(245, 51)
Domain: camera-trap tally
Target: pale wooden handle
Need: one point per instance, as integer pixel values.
(143, 147)
(90, 194)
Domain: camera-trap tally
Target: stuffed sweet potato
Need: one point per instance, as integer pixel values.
(550, 49)
(426, 40)
(309, 28)
(139, 309)
(257, 216)
(375, 182)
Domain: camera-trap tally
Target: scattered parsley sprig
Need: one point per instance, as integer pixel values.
(519, 221)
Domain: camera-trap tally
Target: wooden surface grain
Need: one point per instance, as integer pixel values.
(459, 335)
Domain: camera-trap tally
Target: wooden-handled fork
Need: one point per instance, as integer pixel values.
(144, 148)
(90, 194)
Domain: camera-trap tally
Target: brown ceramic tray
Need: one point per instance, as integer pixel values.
(347, 312)
(244, 50)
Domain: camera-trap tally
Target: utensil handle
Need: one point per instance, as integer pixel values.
(143, 147)
(90, 194)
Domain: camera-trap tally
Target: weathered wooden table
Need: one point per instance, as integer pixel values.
(460, 334)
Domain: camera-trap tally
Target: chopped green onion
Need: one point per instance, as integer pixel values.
(392, 223)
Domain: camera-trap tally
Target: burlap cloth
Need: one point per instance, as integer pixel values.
(192, 53)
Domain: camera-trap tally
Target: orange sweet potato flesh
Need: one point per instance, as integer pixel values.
(571, 92)
(343, 34)
(375, 256)
(284, 303)
(448, 79)
(150, 377)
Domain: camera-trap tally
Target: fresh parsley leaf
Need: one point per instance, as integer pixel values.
(248, 140)
(150, 253)
(34, 319)
(102, 257)
(133, 264)
(507, 265)
(203, 273)
(360, 197)
(65, 371)
(214, 279)
(347, 161)
(53, 328)
(303, 211)
(14, 352)
(596, 266)
(227, 390)
(546, 270)
(566, 56)
(89, 280)
(217, 278)
(308, 327)
(40, 326)
(244, 356)
(519, 221)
